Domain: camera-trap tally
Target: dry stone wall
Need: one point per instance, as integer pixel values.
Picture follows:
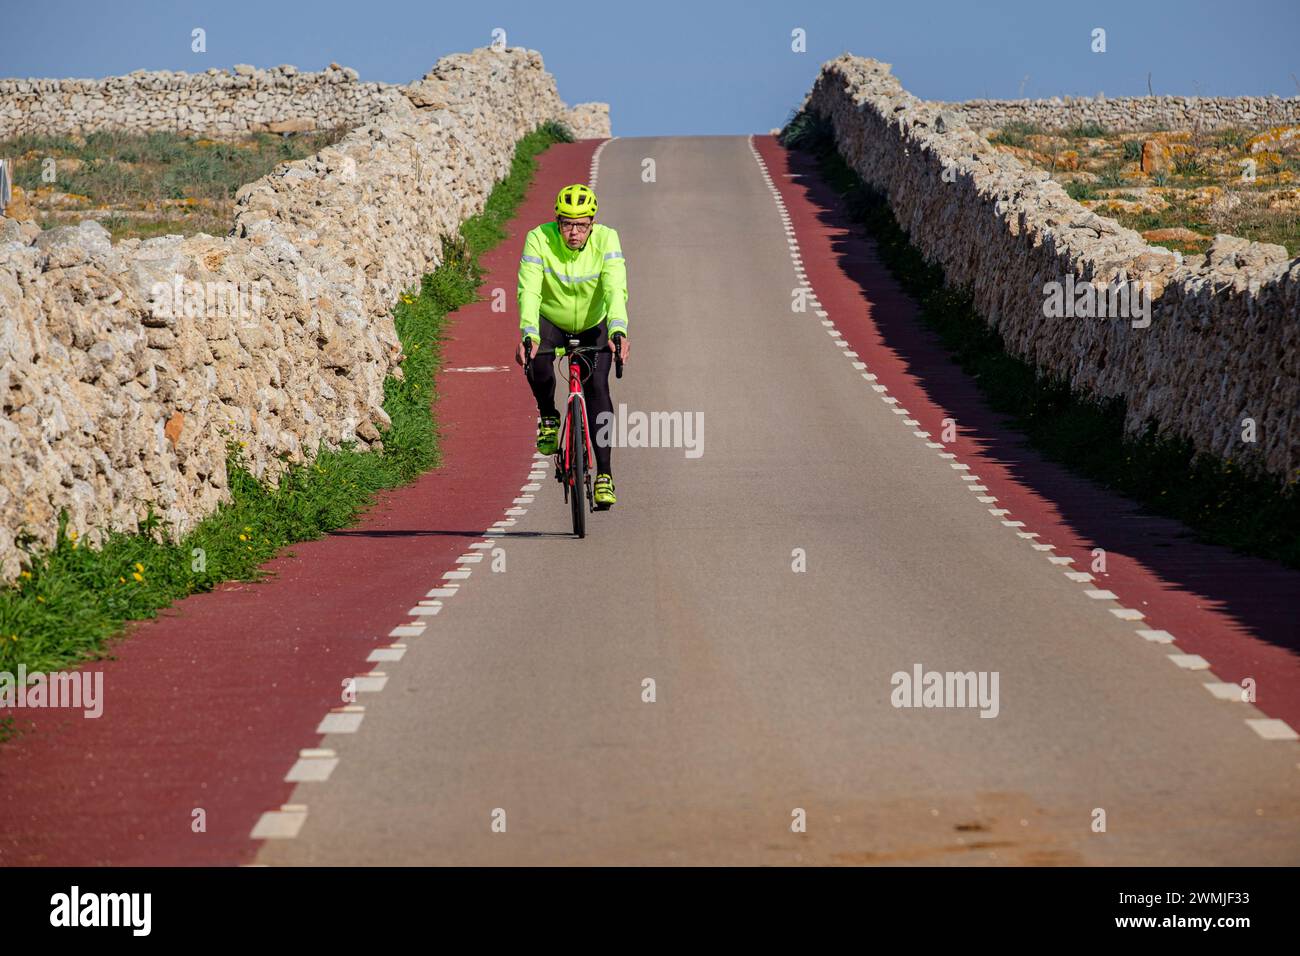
(213, 103)
(1133, 112)
(1223, 340)
(125, 367)
(217, 103)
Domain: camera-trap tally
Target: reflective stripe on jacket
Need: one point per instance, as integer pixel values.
(573, 288)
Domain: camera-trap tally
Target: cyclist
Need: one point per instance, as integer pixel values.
(573, 282)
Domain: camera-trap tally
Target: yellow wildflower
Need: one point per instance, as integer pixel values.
(137, 575)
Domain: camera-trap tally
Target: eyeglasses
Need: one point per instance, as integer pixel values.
(574, 224)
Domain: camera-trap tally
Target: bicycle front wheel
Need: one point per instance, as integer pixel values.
(578, 467)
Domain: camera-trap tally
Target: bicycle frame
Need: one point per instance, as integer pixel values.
(575, 392)
(578, 492)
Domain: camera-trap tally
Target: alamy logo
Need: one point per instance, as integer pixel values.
(103, 909)
(922, 688)
(1122, 299)
(78, 689)
(215, 299)
(626, 429)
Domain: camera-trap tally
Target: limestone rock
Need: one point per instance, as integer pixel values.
(125, 367)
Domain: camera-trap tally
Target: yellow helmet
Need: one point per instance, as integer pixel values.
(575, 202)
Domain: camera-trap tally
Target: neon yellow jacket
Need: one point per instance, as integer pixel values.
(575, 289)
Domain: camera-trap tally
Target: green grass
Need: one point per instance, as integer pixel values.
(1230, 138)
(1016, 134)
(132, 171)
(1222, 504)
(1077, 190)
(72, 599)
(1085, 131)
(1112, 174)
(1190, 167)
(114, 167)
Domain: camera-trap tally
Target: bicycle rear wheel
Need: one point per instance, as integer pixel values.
(578, 467)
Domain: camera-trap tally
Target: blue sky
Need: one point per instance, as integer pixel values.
(692, 68)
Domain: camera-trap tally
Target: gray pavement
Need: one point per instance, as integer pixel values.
(773, 688)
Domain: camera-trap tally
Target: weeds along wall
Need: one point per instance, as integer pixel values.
(1223, 340)
(124, 368)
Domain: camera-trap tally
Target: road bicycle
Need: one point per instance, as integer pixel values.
(574, 455)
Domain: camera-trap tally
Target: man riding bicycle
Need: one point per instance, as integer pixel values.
(573, 283)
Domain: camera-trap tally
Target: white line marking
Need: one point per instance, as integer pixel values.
(311, 769)
(342, 720)
(1273, 729)
(282, 824)
(1225, 691)
(1100, 595)
(1159, 637)
(1127, 613)
(392, 653)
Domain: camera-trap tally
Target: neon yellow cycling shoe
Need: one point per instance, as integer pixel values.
(548, 431)
(603, 491)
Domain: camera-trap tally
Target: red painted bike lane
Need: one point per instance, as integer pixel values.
(1237, 612)
(207, 707)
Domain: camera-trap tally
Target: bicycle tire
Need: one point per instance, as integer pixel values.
(578, 468)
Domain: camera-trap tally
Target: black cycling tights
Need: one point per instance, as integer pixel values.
(595, 386)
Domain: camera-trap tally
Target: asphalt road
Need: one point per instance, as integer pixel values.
(772, 686)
